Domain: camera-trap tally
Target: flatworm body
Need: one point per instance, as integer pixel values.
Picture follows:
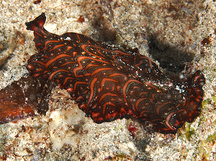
(108, 83)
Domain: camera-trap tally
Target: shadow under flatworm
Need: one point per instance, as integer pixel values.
(170, 58)
(105, 31)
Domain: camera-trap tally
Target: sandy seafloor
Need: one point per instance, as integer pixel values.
(65, 133)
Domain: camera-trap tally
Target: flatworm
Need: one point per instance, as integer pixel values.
(109, 84)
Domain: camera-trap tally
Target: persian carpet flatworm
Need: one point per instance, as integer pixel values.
(108, 83)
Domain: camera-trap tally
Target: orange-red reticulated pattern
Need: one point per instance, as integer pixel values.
(108, 83)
